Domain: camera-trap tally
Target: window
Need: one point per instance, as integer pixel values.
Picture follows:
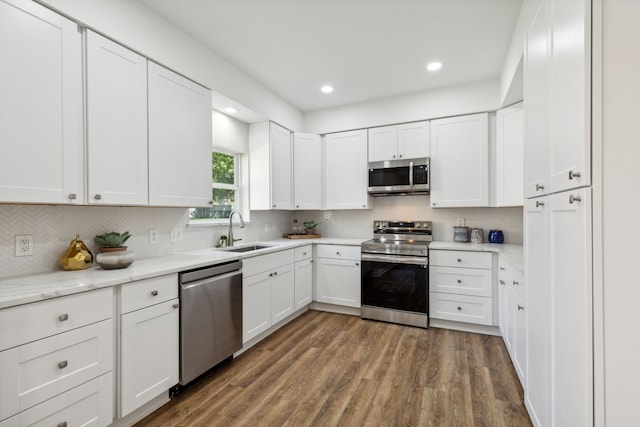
(225, 188)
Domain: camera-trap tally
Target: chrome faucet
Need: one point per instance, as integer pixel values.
(230, 233)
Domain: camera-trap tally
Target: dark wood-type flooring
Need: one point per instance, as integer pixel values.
(326, 369)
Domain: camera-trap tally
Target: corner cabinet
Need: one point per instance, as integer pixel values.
(180, 116)
(42, 157)
(307, 171)
(116, 81)
(460, 161)
(345, 165)
(405, 141)
(303, 294)
(270, 167)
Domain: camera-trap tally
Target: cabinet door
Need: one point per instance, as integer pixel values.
(536, 268)
(179, 140)
(460, 161)
(304, 283)
(571, 308)
(256, 305)
(338, 282)
(570, 144)
(345, 170)
(414, 140)
(280, 166)
(503, 294)
(282, 293)
(307, 171)
(41, 126)
(518, 352)
(509, 160)
(116, 123)
(536, 113)
(149, 354)
(383, 143)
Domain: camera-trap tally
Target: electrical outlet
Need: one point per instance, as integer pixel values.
(154, 237)
(24, 245)
(177, 234)
(460, 222)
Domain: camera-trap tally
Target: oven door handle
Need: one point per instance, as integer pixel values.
(415, 260)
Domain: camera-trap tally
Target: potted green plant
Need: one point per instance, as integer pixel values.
(310, 227)
(112, 242)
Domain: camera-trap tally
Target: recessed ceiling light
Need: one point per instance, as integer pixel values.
(326, 89)
(434, 66)
(230, 110)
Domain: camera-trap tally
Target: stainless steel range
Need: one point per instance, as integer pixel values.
(395, 272)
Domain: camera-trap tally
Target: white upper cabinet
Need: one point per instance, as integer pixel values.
(557, 93)
(41, 106)
(270, 167)
(116, 123)
(180, 142)
(460, 161)
(307, 171)
(406, 141)
(508, 156)
(345, 177)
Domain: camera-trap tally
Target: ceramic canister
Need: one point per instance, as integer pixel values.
(477, 235)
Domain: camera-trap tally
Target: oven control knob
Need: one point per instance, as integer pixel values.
(384, 225)
(376, 225)
(425, 225)
(417, 225)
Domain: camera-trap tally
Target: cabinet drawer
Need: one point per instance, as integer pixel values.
(466, 281)
(144, 293)
(262, 263)
(467, 259)
(43, 369)
(339, 252)
(42, 319)
(460, 308)
(88, 404)
(303, 252)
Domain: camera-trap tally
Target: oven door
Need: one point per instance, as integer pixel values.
(395, 282)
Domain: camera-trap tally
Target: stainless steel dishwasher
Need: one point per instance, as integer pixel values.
(210, 317)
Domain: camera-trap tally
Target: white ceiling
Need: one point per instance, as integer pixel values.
(366, 49)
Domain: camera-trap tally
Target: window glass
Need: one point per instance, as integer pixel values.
(224, 188)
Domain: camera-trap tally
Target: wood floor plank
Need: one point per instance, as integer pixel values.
(327, 369)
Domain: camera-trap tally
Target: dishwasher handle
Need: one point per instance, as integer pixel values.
(208, 280)
(212, 271)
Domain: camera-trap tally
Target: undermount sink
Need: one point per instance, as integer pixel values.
(246, 248)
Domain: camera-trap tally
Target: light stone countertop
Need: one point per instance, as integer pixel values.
(26, 289)
(513, 253)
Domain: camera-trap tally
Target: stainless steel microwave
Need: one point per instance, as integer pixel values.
(399, 177)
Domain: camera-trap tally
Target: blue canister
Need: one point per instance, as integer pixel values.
(496, 236)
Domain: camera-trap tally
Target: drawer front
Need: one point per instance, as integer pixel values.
(89, 404)
(303, 252)
(465, 281)
(144, 293)
(339, 252)
(460, 308)
(260, 264)
(31, 322)
(466, 259)
(43, 369)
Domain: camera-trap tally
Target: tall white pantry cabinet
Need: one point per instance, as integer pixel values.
(557, 215)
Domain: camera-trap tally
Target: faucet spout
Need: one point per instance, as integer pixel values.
(230, 233)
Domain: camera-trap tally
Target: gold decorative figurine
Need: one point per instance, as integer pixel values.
(77, 256)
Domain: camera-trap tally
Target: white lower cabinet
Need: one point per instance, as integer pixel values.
(461, 287)
(512, 316)
(267, 291)
(338, 275)
(303, 293)
(56, 361)
(149, 341)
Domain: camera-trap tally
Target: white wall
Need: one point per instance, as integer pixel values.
(450, 101)
(618, 279)
(229, 134)
(136, 26)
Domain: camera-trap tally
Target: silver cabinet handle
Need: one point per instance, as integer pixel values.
(411, 175)
(573, 199)
(98, 197)
(400, 155)
(502, 282)
(270, 274)
(515, 283)
(63, 364)
(210, 202)
(337, 253)
(459, 259)
(297, 206)
(539, 187)
(393, 156)
(73, 196)
(357, 264)
(459, 308)
(304, 254)
(274, 206)
(154, 293)
(520, 307)
(176, 305)
(575, 174)
(501, 268)
(62, 424)
(275, 273)
(459, 281)
(539, 203)
(63, 317)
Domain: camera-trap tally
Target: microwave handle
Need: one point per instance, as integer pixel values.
(411, 175)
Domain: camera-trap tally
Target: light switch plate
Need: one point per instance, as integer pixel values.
(177, 234)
